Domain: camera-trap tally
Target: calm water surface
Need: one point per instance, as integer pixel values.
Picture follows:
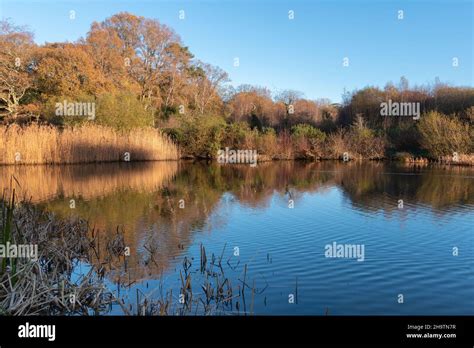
(280, 217)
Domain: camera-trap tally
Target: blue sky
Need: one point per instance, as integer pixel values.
(305, 53)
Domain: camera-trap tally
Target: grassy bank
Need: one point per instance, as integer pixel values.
(38, 144)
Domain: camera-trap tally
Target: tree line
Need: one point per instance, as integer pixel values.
(138, 73)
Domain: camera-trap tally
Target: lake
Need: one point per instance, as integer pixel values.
(327, 238)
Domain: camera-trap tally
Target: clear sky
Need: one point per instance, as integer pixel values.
(305, 53)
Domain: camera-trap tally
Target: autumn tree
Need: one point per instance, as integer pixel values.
(306, 111)
(157, 62)
(175, 84)
(111, 56)
(253, 105)
(288, 97)
(147, 42)
(65, 69)
(15, 67)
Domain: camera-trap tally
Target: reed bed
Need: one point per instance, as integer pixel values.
(46, 284)
(41, 144)
(204, 290)
(462, 160)
(68, 275)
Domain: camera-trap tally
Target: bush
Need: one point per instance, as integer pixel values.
(442, 135)
(364, 142)
(49, 110)
(200, 136)
(267, 142)
(404, 137)
(235, 134)
(307, 141)
(337, 144)
(122, 111)
(307, 131)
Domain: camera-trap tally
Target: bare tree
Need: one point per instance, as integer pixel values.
(209, 83)
(289, 96)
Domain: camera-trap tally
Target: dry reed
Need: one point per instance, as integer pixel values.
(40, 144)
(46, 285)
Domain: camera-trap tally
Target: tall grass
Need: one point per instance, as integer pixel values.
(6, 210)
(38, 144)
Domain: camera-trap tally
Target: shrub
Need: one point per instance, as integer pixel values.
(239, 136)
(364, 142)
(307, 131)
(200, 136)
(442, 135)
(123, 111)
(307, 141)
(404, 137)
(267, 142)
(235, 134)
(337, 144)
(48, 110)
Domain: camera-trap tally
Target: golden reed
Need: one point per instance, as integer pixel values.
(38, 144)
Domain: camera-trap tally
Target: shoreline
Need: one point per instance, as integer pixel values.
(415, 161)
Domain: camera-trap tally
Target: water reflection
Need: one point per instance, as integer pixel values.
(167, 205)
